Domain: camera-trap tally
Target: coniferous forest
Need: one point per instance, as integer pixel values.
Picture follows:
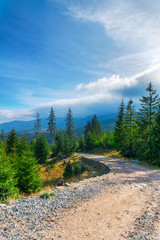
(136, 135)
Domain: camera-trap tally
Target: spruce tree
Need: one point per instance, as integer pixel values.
(3, 136)
(70, 125)
(52, 124)
(90, 141)
(28, 174)
(130, 127)
(87, 128)
(23, 145)
(146, 116)
(156, 139)
(8, 179)
(81, 142)
(96, 127)
(12, 143)
(59, 144)
(119, 130)
(37, 125)
(41, 149)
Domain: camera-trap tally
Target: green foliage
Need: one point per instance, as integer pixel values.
(146, 117)
(57, 147)
(23, 145)
(68, 170)
(81, 142)
(52, 194)
(52, 124)
(12, 143)
(70, 125)
(37, 125)
(41, 149)
(130, 129)
(8, 179)
(119, 130)
(47, 195)
(73, 169)
(28, 173)
(90, 141)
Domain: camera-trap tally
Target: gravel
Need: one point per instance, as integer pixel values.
(27, 218)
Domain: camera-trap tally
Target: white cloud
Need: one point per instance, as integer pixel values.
(134, 28)
(107, 85)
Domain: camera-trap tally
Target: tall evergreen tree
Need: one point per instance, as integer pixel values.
(119, 130)
(81, 143)
(23, 145)
(130, 127)
(37, 125)
(28, 173)
(96, 127)
(12, 143)
(90, 141)
(87, 128)
(41, 149)
(3, 136)
(52, 124)
(146, 116)
(8, 179)
(156, 139)
(70, 125)
(59, 144)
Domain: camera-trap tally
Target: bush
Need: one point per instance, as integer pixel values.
(52, 194)
(45, 195)
(68, 170)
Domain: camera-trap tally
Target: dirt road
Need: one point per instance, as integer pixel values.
(128, 208)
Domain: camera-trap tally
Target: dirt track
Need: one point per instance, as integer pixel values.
(129, 207)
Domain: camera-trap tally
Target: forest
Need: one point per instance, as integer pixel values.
(136, 135)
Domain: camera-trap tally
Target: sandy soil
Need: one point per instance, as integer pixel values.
(127, 209)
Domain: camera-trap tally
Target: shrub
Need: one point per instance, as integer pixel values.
(45, 195)
(68, 170)
(52, 194)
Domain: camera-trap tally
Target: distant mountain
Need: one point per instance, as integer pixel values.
(60, 121)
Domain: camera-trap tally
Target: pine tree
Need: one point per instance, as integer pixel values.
(70, 125)
(52, 124)
(37, 125)
(119, 130)
(130, 126)
(28, 173)
(41, 149)
(146, 118)
(12, 143)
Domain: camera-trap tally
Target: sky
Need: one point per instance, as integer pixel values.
(83, 54)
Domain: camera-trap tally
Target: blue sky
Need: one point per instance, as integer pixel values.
(86, 55)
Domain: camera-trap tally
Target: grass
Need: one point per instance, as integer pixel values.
(52, 175)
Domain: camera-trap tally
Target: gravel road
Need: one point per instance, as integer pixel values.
(124, 204)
